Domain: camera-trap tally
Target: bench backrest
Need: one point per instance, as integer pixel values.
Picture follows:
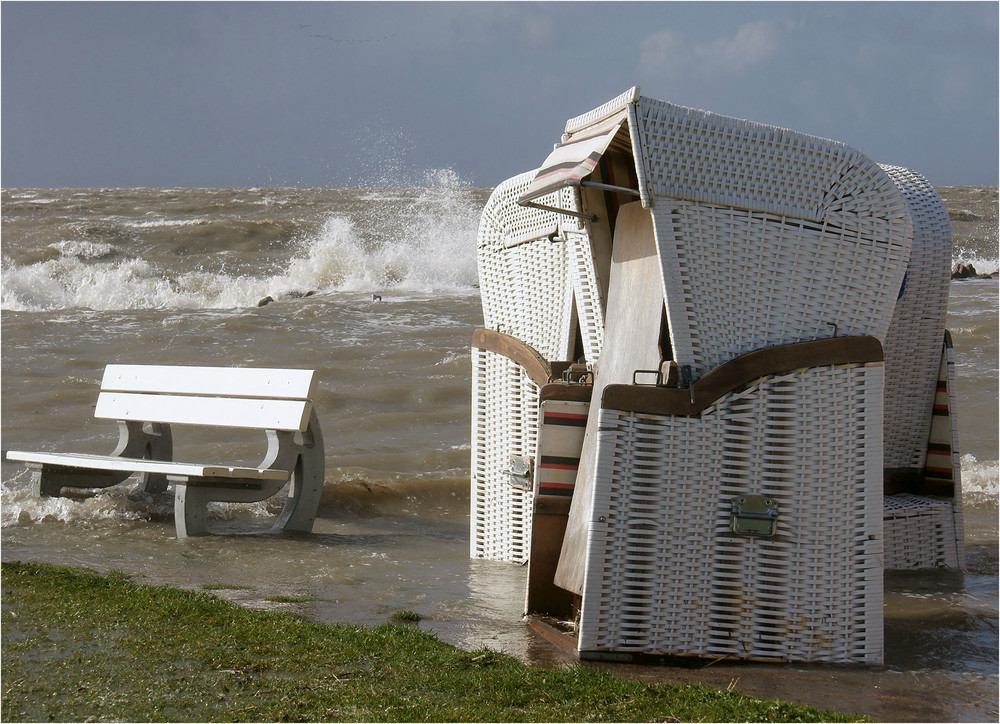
(274, 399)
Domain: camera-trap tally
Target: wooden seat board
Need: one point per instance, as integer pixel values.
(214, 411)
(213, 381)
(635, 308)
(163, 467)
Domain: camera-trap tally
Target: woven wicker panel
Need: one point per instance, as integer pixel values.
(919, 532)
(611, 108)
(587, 294)
(504, 423)
(738, 280)
(765, 232)
(710, 158)
(913, 343)
(948, 355)
(525, 287)
(666, 575)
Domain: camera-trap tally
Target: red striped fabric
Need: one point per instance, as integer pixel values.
(571, 162)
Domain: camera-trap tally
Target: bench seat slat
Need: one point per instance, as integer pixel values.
(215, 381)
(215, 411)
(111, 462)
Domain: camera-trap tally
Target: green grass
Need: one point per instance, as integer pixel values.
(225, 587)
(285, 598)
(77, 645)
(406, 616)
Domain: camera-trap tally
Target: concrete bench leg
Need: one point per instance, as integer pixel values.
(150, 441)
(48, 481)
(190, 508)
(306, 484)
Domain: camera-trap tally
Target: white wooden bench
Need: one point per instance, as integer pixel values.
(147, 399)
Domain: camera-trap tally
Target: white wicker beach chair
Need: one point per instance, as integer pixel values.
(527, 298)
(729, 496)
(923, 508)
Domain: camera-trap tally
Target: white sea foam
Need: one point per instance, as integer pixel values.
(984, 264)
(21, 507)
(433, 249)
(118, 504)
(430, 247)
(84, 249)
(158, 223)
(980, 480)
(72, 282)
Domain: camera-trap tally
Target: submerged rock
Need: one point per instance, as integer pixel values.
(968, 271)
(290, 295)
(963, 271)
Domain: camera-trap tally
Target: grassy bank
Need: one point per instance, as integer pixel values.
(76, 646)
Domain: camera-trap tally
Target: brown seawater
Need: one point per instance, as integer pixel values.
(174, 276)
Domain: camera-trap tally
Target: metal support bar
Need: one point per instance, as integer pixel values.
(609, 187)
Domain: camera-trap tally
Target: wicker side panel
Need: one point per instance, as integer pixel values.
(710, 158)
(926, 532)
(504, 423)
(587, 294)
(738, 280)
(948, 359)
(666, 575)
(769, 229)
(524, 279)
(612, 107)
(919, 532)
(913, 343)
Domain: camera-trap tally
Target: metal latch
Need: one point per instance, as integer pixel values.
(577, 372)
(753, 515)
(519, 471)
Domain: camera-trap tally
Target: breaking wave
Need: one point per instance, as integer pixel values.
(416, 240)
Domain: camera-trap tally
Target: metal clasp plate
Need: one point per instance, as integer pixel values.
(519, 472)
(753, 515)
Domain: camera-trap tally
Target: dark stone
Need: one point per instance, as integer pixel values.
(265, 301)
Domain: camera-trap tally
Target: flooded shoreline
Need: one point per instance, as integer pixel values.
(394, 403)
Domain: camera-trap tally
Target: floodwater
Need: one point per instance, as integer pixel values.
(175, 276)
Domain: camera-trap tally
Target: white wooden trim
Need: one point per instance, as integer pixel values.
(216, 381)
(111, 462)
(215, 411)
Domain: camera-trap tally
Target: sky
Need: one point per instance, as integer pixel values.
(238, 94)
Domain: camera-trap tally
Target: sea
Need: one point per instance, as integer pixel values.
(376, 289)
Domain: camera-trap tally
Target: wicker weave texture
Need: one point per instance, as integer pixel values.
(714, 159)
(948, 357)
(524, 278)
(666, 575)
(590, 306)
(913, 343)
(766, 236)
(504, 423)
(741, 280)
(919, 533)
(924, 532)
(614, 106)
(528, 285)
